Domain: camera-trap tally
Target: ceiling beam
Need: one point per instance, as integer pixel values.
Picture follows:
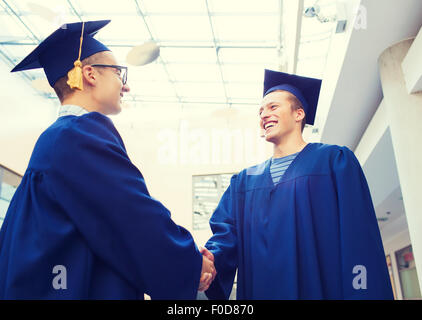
(216, 52)
(13, 13)
(160, 59)
(25, 42)
(292, 12)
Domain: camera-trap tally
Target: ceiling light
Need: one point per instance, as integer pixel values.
(143, 54)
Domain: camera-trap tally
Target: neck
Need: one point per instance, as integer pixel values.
(289, 145)
(82, 102)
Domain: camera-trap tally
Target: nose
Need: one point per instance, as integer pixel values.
(264, 114)
(125, 88)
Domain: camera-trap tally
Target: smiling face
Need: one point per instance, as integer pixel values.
(278, 117)
(109, 88)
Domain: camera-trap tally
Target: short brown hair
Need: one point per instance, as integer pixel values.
(296, 104)
(61, 87)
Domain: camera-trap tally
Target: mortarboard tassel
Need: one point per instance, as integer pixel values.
(75, 75)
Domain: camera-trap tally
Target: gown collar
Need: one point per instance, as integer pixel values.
(268, 181)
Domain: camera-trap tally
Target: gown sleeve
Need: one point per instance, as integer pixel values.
(223, 245)
(364, 269)
(105, 197)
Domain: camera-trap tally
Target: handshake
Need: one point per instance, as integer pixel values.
(208, 271)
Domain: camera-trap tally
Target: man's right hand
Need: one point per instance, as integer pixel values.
(207, 272)
(206, 253)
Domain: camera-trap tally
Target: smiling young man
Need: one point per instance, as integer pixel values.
(301, 225)
(81, 224)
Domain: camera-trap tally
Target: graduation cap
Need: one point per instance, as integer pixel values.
(305, 89)
(61, 52)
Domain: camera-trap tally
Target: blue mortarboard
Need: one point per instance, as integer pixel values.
(58, 52)
(305, 89)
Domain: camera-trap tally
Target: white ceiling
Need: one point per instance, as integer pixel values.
(213, 52)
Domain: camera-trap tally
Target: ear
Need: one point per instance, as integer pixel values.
(89, 75)
(300, 114)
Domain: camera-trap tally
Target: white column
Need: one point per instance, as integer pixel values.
(412, 65)
(404, 112)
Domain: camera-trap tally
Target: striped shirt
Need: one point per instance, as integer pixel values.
(280, 165)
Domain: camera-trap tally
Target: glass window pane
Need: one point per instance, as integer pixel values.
(179, 6)
(243, 73)
(245, 55)
(150, 72)
(45, 17)
(189, 55)
(205, 90)
(244, 6)
(195, 72)
(41, 7)
(152, 88)
(109, 8)
(11, 28)
(43, 27)
(145, 100)
(17, 52)
(249, 91)
(117, 30)
(262, 29)
(181, 28)
(246, 102)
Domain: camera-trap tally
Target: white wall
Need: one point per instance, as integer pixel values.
(148, 132)
(168, 171)
(23, 116)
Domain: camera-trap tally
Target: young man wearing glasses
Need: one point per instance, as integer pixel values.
(82, 224)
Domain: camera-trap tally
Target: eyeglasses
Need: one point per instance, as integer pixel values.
(122, 70)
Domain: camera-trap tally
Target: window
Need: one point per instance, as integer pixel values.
(9, 181)
(207, 192)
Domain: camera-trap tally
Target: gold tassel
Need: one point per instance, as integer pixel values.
(75, 75)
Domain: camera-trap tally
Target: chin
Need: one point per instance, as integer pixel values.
(269, 138)
(273, 138)
(116, 109)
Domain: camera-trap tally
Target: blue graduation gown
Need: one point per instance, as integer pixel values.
(83, 205)
(304, 237)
